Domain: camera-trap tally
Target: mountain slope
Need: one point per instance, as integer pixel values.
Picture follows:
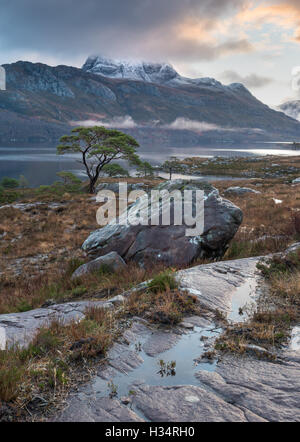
(44, 100)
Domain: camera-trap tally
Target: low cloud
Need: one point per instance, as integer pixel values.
(202, 126)
(250, 81)
(193, 125)
(180, 123)
(126, 122)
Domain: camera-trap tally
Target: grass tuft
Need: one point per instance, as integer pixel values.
(162, 282)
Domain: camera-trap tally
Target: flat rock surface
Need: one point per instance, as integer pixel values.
(93, 409)
(267, 390)
(215, 284)
(184, 403)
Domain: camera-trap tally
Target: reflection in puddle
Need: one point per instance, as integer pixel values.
(243, 301)
(179, 364)
(179, 360)
(167, 368)
(295, 339)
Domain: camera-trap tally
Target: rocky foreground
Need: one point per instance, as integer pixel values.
(192, 350)
(132, 386)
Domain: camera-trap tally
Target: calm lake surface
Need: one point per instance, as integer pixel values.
(39, 165)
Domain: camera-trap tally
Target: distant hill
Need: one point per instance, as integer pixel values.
(150, 101)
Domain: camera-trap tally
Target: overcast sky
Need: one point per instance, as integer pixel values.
(253, 42)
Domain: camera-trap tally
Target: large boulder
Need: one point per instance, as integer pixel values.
(169, 243)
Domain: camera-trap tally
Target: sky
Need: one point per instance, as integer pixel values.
(256, 43)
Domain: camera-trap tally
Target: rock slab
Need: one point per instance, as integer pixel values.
(240, 191)
(111, 260)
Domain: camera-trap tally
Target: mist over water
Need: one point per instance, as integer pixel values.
(39, 165)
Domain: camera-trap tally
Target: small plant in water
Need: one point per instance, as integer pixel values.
(162, 367)
(171, 368)
(167, 369)
(138, 347)
(113, 389)
(132, 393)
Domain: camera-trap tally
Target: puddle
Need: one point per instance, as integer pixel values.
(2, 338)
(184, 353)
(243, 300)
(295, 339)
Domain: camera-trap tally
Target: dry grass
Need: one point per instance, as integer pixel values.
(35, 378)
(267, 227)
(287, 289)
(35, 230)
(36, 247)
(167, 307)
(162, 302)
(26, 293)
(267, 329)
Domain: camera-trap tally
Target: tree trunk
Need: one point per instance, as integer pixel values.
(92, 185)
(170, 173)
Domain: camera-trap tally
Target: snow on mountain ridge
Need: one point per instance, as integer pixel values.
(150, 72)
(160, 73)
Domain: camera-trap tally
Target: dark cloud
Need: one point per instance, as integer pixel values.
(250, 81)
(131, 28)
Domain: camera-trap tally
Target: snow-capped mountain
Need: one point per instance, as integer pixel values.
(159, 73)
(291, 108)
(43, 102)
